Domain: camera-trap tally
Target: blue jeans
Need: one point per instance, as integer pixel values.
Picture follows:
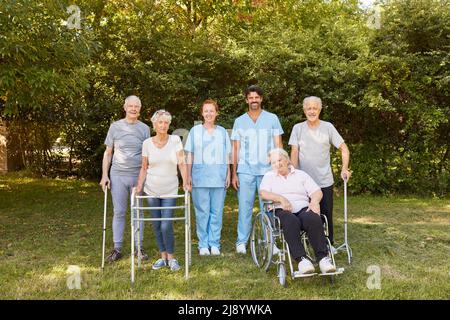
(248, 185)
(163, 229)
(208, 203)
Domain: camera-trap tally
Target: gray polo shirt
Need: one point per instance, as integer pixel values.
(314, 150)
(126, 140)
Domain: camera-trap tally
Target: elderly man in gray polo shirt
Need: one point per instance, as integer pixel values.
(124, 148)
(310, 143)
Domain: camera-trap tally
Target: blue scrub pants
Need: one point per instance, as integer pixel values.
(248, 185)
(208, 204)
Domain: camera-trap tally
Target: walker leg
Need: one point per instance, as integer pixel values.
(132, 246)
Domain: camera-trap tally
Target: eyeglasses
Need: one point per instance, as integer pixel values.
(160, 113)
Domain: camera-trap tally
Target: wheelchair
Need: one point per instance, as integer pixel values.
(267, 235)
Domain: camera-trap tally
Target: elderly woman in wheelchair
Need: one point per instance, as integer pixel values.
(293, 215)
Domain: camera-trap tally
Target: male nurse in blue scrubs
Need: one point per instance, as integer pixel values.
(254, 134)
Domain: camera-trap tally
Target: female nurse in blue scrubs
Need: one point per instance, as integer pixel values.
(208, 150)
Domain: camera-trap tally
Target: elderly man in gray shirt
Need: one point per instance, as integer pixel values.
(124, 149)
(310, 143)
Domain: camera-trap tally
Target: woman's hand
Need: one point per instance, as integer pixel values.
(235, 181)
(137, 189)
(187, 185)
(285, 204)
(228, 180)
(314, 207)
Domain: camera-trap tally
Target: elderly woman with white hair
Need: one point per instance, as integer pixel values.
(161, 154)
(296, 197)
(123, 149)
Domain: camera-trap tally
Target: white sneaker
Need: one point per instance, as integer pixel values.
(305, 266)
(275, 249)
(326, 265)
(333, 250)
(204, 252)
(215, 251)
(240, 248)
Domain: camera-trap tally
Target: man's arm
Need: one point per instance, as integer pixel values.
(345, 173)
(278, 141)
(106, 163)
(294, 157)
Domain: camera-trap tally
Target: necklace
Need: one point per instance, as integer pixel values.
(160, 144)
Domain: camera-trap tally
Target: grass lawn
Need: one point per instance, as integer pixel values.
(47, 225)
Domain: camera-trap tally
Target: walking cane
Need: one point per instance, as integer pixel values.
(105, 204)
(345, 246)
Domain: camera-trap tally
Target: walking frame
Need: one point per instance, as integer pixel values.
(136, 219)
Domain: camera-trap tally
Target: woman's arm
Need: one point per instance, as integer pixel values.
(314, 203)
(285, 204)
(189, 162)
(234, 163)
(142, 175)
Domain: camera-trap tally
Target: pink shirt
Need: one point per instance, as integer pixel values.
(297, 187)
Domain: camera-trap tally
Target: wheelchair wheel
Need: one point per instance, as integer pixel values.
(282, 274)
(262, 241)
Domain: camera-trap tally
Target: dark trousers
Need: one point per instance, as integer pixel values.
(326, 208)
(294, 223)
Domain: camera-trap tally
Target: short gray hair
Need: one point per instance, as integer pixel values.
(312, 99)
(161, 113)
(129, 98)
(281, 152)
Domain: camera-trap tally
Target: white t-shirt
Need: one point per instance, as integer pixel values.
(297, 187)
(162, 175)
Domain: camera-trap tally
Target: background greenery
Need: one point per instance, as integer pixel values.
(46, 225)
(386, 90)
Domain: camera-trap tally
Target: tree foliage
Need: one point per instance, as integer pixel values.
(386, 89)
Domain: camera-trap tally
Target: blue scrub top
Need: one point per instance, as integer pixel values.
(211, 151)
(256, 141)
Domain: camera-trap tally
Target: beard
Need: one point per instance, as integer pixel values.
(254, 106)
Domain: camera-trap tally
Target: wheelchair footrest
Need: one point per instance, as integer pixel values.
(338, 271)
(303, 275)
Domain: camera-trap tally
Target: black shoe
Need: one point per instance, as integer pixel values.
(143, 255)
(114, 256)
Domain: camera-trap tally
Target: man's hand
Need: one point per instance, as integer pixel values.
(105, 183)
(345, 174)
